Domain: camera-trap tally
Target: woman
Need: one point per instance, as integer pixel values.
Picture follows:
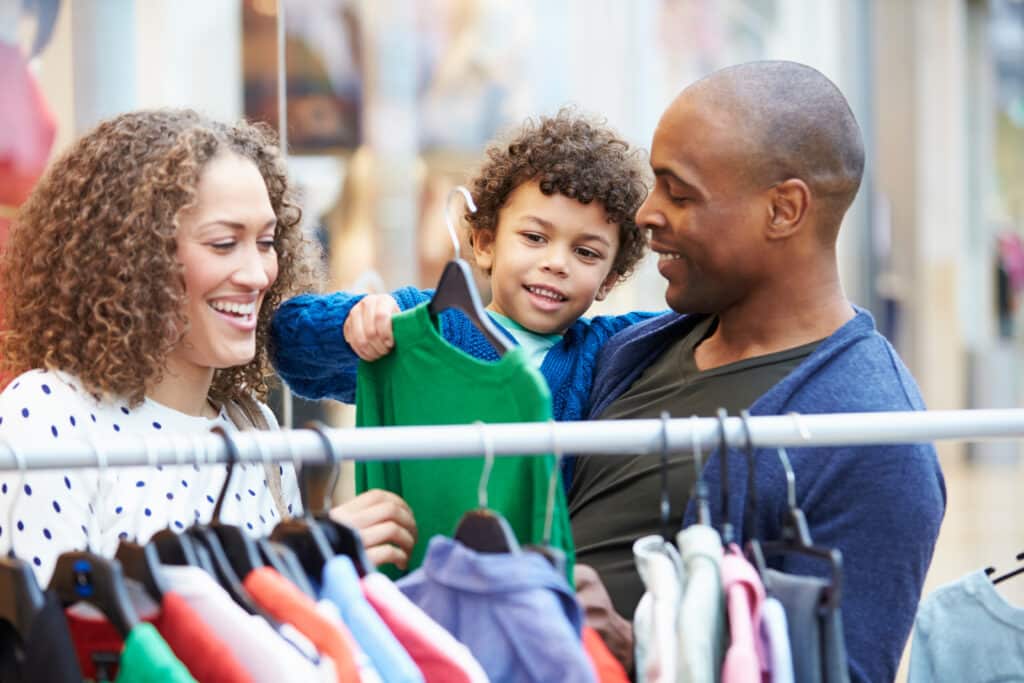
(140, 278)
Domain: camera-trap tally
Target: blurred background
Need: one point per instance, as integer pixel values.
(390, 104)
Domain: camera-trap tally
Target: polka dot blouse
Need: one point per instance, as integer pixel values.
(47, 512)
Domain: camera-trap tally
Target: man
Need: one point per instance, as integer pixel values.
(755, 167)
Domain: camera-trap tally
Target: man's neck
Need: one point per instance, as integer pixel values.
(775, 321)
(184, 387)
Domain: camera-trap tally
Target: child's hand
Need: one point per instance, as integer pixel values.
(368, 326)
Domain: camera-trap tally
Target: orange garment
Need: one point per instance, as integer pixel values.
(285, 602)
(608, 669)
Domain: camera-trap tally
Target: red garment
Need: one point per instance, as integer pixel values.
(205, 655)
(285, 602)
(607, 668)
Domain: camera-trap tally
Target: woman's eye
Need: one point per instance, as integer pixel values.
(266, 244)
(222, 246)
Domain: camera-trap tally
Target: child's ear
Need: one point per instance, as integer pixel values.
(483, 249)
(606, 286)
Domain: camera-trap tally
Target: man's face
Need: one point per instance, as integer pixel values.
(705, 215)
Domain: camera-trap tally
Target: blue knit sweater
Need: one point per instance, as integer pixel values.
(310, 353)
(881, 506)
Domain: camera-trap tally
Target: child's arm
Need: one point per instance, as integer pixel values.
(308, 342)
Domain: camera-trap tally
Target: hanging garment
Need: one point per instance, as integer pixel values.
(815, 629)
(775, 636)
(701, 630)
(606, 667)
(146, 658)
(514, 611)
(341, 587)
(285, 602)
(657, 613)
(425, 380)
(967, 631)
(45, 654)
(744, 594)
(257, 646)
(440, 657)
(367, 671)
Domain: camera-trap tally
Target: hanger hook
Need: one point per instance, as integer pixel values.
(331, 456)
(233, 456)
(485, 476)
(723, 447)
(666, 506)
(700, 487)
(19, 458)
(450, 220)
(801, 426)
(750, 509)
(268, 461)
(549, 510)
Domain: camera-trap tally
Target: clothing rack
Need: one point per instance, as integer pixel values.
(602, 437)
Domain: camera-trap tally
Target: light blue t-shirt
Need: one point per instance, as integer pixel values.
(966, 631)
(536, 345)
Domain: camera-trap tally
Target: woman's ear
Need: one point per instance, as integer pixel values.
(790, 200)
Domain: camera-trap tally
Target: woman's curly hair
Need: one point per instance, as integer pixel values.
(571, 155)
(90, 275)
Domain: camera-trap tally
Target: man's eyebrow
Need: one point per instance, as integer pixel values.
(673, 176)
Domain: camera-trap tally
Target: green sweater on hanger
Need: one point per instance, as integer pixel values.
(426, 381)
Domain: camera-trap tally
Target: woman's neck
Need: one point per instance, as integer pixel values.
(185, 388)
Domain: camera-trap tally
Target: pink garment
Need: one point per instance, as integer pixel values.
(745, 659)
(440, 657)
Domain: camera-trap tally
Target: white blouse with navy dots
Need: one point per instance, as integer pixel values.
(47, 512)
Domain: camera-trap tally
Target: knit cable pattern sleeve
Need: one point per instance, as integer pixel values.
(308, 346)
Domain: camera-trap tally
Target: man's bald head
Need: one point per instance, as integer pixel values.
(798, 125)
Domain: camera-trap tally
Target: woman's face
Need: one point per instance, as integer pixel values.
(226, 246)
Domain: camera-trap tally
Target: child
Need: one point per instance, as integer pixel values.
(554, 231)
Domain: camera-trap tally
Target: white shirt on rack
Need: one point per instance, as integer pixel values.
(47, 512)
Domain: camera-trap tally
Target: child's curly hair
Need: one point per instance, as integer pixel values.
(90, 275)
(575, 156)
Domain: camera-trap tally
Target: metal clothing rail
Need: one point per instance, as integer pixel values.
(604, 437)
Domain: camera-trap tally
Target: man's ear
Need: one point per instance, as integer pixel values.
(789, 202)
(606, 286)
(483, 249)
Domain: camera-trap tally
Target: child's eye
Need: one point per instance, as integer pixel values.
(533, 237)
(588, 253)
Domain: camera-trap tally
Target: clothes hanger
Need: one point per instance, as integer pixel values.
(239, 546)
(552, 554)
(21, 599)
(207, 539)
(989, 571)
(750, 508)
(142, 562)
(485, 530)
(796, 537)
(179, 549)
(86, 577)
(666, 505)
(700, 487)
(342, 539)
(456, 288)
(303, 535)
(723, 449)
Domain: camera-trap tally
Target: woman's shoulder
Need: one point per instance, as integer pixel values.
(53, 387)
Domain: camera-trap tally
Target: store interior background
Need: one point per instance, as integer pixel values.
(390, 103)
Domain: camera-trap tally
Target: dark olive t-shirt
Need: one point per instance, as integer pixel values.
(615, 500)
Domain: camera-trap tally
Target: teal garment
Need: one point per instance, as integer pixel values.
(426, 381)
(536, 345)
(147, 658)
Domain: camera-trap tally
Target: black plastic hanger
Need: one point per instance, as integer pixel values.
(750, 508)
(796, 539)
(286, 563)
(21, 599)
(723, 457)
(456, 288)
(700, 487)
(179, 549)
(989, 571)
(239, 546)
(142, 562)
(482, 529)
(556, 556)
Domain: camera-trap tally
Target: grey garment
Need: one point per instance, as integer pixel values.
(815, 630)
(966, 631)
(614, 500)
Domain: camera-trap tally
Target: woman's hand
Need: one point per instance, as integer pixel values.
(385, 523)
(368, 326)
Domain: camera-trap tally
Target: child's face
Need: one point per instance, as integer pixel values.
(550, 258)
